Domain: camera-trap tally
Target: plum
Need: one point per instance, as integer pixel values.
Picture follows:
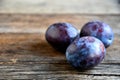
(60, 35)
(100, 30)
(85, 52)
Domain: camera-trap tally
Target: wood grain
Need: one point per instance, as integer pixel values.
(25, 54)
(25, 23)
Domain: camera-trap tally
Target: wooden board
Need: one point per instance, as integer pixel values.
(25, 54)
(58, 6)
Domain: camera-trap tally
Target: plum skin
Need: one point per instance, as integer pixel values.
(100, 30)
(60, 35)
(85, 53)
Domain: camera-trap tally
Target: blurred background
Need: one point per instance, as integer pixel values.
(60, 6)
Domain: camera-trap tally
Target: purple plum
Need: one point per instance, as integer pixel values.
(100, 30)
(85, 52)
(60, 35)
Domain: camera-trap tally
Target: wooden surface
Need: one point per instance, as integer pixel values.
(25, 54)
(60, 6)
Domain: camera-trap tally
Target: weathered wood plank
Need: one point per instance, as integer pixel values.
(24, 23)
(29, 54)
(46, 69)
(57, 6)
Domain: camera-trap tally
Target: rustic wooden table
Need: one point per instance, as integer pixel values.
(25, 54)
